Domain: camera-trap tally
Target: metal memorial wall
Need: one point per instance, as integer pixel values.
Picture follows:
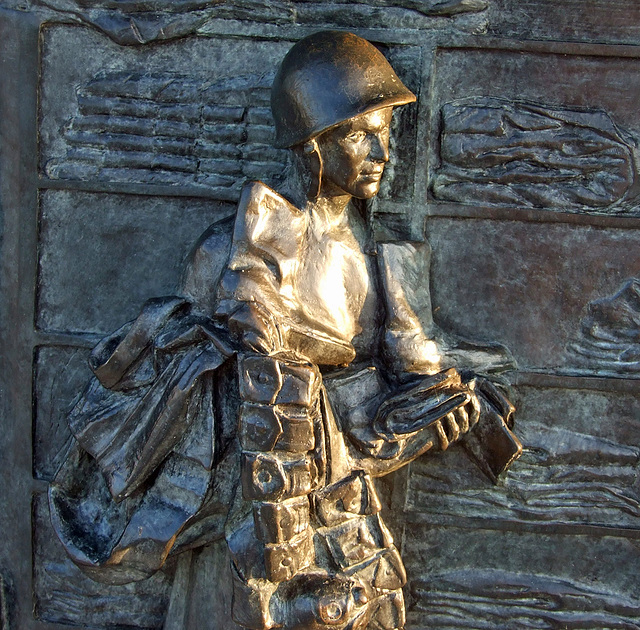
(128, 128)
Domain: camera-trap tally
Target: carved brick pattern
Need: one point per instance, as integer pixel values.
(494, 598)
(524, 155)
(143, 21)
(169, 129)
(609, 337)
(563, 476)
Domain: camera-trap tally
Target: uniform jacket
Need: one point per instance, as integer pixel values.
(162, 409)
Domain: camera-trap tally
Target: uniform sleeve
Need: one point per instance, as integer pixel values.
(266, 247)
(355, 400)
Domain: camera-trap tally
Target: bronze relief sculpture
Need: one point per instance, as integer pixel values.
(300, 363)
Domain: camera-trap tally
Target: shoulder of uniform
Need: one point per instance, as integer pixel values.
(268, 222)
(258, 197)
(206, 263)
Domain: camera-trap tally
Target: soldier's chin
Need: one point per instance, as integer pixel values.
(367, 189)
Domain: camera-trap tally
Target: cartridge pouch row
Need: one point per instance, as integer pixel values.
(278, 522)
(353, 496)
(272, 381)
(283, 560)
(287, 428)
(277, 476)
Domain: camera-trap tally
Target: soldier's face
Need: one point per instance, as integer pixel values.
(354, 154)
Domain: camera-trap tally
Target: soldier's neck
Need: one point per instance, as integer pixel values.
(331, 202)
(331, 208)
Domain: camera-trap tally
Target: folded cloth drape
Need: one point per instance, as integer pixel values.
(147, 438)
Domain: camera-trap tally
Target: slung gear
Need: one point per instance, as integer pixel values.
(327, 78)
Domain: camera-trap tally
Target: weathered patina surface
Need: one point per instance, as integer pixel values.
(129, 128)
(301, 364)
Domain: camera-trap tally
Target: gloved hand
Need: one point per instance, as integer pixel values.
(254, 326)
(442, 403)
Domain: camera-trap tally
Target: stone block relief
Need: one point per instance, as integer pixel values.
(89, 288)
(579, 468)
(608, 340)
(59, 374)
(578, 474)
(611, 21)
(525, 284)
(525, 155)
(490, 597)
(209, 134)
(168, 129)
(573, 151)
(485, 578)
(142, 22)
(137, 103)
(563, 477)
(152, 127)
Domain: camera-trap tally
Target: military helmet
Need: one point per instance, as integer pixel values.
(327, 78)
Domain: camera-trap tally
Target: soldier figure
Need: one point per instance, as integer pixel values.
(339, 375)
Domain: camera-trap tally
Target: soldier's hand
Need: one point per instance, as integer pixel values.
(441, 403)
(456, 424)
(256, 327)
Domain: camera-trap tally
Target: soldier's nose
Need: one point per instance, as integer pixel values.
(379, 149)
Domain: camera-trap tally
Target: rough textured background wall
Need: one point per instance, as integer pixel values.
(126, 128)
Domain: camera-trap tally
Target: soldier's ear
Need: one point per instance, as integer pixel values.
(315, 166)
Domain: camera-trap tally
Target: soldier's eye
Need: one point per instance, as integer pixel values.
(357, 136)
